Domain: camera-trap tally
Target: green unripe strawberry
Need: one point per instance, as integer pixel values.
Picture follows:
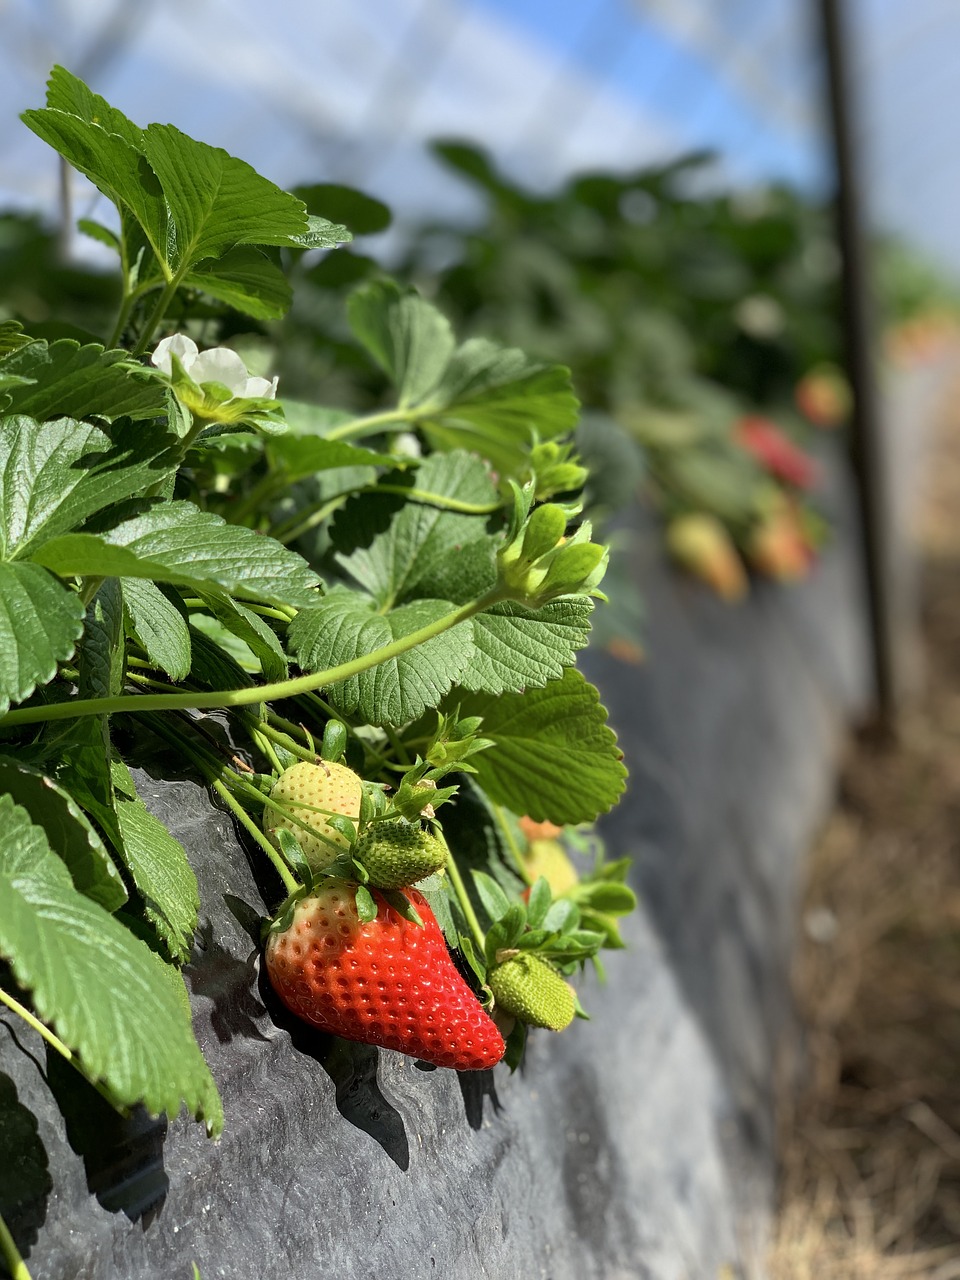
(306, 788)
(398, 854)
(532, 990)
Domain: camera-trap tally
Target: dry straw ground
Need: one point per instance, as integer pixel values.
(871, 1138)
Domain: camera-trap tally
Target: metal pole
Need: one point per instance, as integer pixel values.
(866, 441)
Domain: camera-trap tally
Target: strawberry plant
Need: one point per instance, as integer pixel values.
(382, 610)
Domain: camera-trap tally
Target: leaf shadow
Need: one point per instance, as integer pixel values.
(353, 1069)
(122, 1155)
(475, 1086)
(228, 982)
(25, 1182)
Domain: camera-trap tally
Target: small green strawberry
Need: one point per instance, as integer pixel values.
(305, 788)
(532, 990)
(398, 854)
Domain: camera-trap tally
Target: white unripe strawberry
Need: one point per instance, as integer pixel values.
(303, 790)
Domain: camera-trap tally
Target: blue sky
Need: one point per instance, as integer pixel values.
(354, 92)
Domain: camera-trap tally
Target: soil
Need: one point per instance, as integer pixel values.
(870, 1149)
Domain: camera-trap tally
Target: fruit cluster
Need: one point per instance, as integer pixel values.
(358, 952)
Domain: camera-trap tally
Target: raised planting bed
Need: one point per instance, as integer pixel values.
(638, 1144)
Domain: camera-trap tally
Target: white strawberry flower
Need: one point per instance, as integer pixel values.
(218, 364)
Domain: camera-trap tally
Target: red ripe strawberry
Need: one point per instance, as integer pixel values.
(388, 982)
(776, 452)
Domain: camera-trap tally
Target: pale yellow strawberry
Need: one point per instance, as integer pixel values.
(548, 858)
(305, 788)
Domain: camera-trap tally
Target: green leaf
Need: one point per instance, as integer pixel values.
(554, 758)
(606, 896)
(105, 993)
(67, 471)
(108, 149)
(77, 381)
(489, 399)
(538, 903)
(212, 666)
(252, 630)
(361, 213)
(68, 830)
(159, 867)
(81, 754)
(347, 625)
(40, 623)
(321, 234)
(176, 542)
(246, 280)
(12, 336)
(97, 231)
(66, 92)
(495, 901)
(158, 625)
(217, 202)
(394, 549)
(304, 455)
(409, 339)
(101, 649)
(518, 648)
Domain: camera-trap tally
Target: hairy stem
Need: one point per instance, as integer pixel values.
(250, 695)
(439, 500)
(289, 530)
(460, 889)
(236, 808)
(56, 1043)
(157, 314)
(371, 422)
(510, 842)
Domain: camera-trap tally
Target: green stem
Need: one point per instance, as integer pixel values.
(291, 529)
(265, 747)
(56, 1043)
(511, 843)
(466, 906)
(278, 721)
(123, 315)
(372, 422)
(156, 315)
(399, 750)
(11, 1254)
(273, 482)
(288, 743)
(250, 695)
(435, 499)
(146, 681)
(241, 815)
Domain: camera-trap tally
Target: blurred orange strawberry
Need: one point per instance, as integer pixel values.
(538, 830)
(779, 547)
(823, 396)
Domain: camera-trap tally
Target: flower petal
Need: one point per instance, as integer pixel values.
(222, 365)
(179, 345)
(260, 389)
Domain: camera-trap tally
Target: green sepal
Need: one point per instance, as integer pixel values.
(366, 905)
(334, 741)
